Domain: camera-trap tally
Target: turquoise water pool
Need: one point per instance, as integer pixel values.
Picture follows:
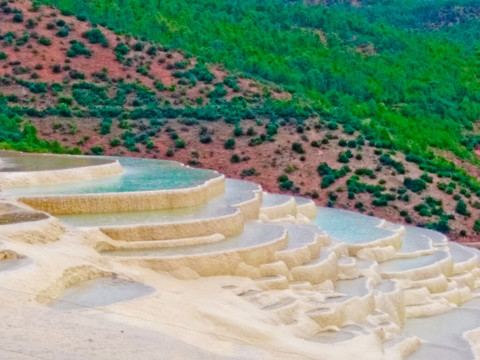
(139, 175)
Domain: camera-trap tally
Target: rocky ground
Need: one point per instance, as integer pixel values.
(36, 51)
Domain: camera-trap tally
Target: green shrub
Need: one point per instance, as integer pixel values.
(205, 139)
(179, 144)
(121, 50)
(415, 185)
(34, 87)
(44, 41)
(152, 50)
(285, 183)
(235, 158)
(426, 178)
(78, 48)
(248, 172)
(290, 168)
(115, 142)
(329, 175)
(364, 172)
(105, 126)
(89, 95)
(359, 206)
(56, 69)
(231, 82)
(229, 144)
(18, 17)
(344, 157)
(238, 131)
(255, 141)
(218, 92)
(461, 207)
(386, 160)
(138, 46)
(442, 225)
(159, 85)
(332, 125)
(95, 36)
(63, 32)
(476, 226)
(97, 150)
(142, 70)
(3, 56)
(298, 148)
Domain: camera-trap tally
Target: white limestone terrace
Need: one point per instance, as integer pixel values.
(137, 175)
(101, 292)
(14, 161)
(236, 193)
(28, 170)
(446, 335)
(305, 280)
(141, 184)
(214, 208)
(349, 227)
(254, 233)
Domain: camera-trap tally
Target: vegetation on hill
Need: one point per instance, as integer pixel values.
(375, 113)
(390, 69)
(23, 137)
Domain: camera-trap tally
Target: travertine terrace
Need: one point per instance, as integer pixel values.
(112, 258)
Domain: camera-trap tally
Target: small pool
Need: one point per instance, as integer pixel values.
(435, 236)
(350, 227)
(274, 199)
(14, 264)
(443, 333)
(101, 292)
(412, 243)
(214, 208)
(399, 265)
(353, 287)
(460, 253)
(254, 234)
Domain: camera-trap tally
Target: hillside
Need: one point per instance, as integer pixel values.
(340, 136)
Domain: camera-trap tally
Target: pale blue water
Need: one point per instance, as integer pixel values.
(412, 242)
(460, 253)
(398, 265)
(349, 227)
(443, 333)
(214, 208)
(354, 287)
(101, 292)
(253, 234)
(14, 264)
(236, 192)
(274, 199)
(435, 236)
(139, 175)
